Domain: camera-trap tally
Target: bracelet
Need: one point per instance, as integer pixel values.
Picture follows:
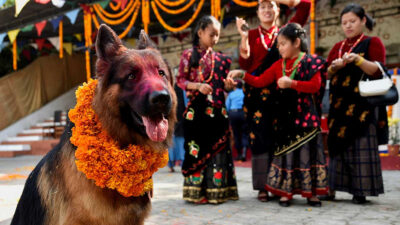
(360, 61)
(330, 71)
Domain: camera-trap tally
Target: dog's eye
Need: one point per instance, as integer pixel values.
(131, 76)
(161, 73)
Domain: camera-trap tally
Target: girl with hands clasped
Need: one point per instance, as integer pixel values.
(258, 52)
(355, 127)
(208, 167)
(298, 166)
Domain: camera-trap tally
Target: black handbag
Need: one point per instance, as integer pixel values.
(390, 97)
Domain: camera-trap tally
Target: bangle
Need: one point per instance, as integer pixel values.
(198, 86)
(360, 61)
(330, 71)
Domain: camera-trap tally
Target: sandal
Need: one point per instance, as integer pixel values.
(285, 203)
(202, 201)
(314, 203)
(327, 197)
(359, 200)
(262, 196)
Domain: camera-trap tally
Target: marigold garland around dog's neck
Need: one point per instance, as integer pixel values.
(98, 156)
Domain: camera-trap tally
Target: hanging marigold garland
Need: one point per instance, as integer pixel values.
(99, 157)
(128, 28)
(15, 56)
(146, 15)
(216, 8)
(60, 35)
(87, 23)
(118, 21)
(312, 27)
(246, 4)
(184, 26)
(172, 4)
(117, 15)
(115, 7)
(174, 11)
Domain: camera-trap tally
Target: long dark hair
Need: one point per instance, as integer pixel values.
(360, 12)
(292, 31)
(201, 24)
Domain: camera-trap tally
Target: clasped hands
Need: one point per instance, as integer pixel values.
(339, 63)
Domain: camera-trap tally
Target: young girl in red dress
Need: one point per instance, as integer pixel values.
(257, 53)
(208, 166)
(299, 164)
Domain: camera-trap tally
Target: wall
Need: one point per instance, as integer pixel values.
(64, 102)
(172, 48)
(387, 26)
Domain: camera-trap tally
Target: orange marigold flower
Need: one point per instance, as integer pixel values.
(98, 156)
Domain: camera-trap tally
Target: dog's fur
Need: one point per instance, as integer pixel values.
(132, 83)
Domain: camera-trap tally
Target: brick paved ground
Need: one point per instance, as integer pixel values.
(170, 209)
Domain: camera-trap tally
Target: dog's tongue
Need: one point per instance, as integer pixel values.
(157, 131)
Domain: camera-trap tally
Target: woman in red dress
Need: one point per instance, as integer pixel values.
(257, 53)
(355, 127)
(298, 166)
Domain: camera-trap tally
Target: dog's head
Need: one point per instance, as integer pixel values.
(135, 99)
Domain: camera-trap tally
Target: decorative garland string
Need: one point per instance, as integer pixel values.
(184, 26)
(128, 28)
(117, 15)
(174, 11)
(115, 7)
(173, 4)
(246, 4)
(60, 35)
(114, 22)
(15, 66)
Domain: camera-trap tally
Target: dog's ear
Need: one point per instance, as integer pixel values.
(107, 43)
(145, 41)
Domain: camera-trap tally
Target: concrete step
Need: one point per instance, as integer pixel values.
(48, 124)
(24, 139)
(13, 150)
(51, 120)
(37, 132)
(40, 147)
(63, 117)
(40, 130)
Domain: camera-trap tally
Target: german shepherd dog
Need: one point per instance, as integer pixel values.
(134, 101)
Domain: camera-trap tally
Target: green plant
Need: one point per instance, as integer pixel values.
(8, 3)
(394, 134)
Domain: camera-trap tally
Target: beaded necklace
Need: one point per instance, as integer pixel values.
(351, 49)
(292, 70)
(200, 70)
(272, 36)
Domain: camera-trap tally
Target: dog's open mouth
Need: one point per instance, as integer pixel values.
(156, 128)
(155, 125)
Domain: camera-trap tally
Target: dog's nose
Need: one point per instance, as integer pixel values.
(159, 99)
